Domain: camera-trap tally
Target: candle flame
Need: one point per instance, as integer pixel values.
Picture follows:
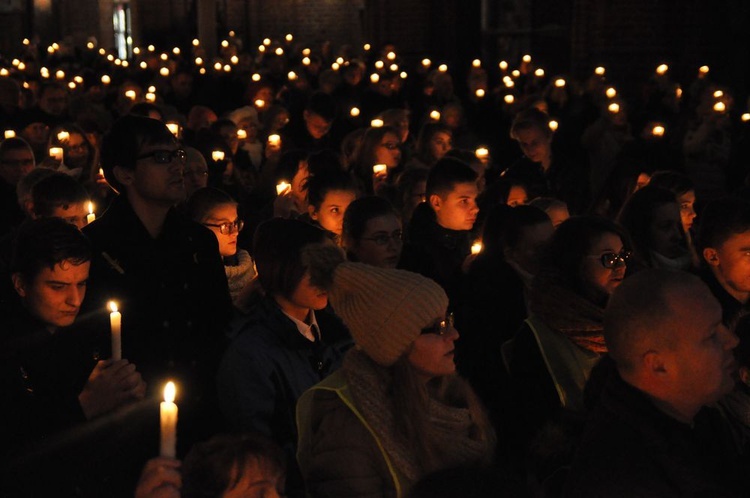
(476, 248)
(91, 207)
(169, 392)
(379, 168)
(112, 306)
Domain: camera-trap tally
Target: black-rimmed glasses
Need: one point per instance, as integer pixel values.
(163, 156)
(227, 228)
(610, 260)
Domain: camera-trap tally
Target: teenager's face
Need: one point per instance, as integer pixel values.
(687, 210)
(604, 280)
(308, 296)
(432, 355)
(75, 213)
(55, 295)
(458, 209)
(152, 182)
(440, 144)
(380, 244)
(388, 151)
(224, 214)
(665, 231)
(317, 126)
(332, 209)
(535, 144)
(257, 481)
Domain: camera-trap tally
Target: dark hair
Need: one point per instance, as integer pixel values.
(529, 119)
(571, 243)
(15, 143)
(365, 155)
(323, 105)
(675, 182)
(363, 210)
(277, 250)
(446, 173)
(145, 109)
(124, 142)
(720, 220)
(204, 200)
(289, 165)
(426, 133)
(319, 185)
(45, 242)
(217, 465)
(637, 215)
(467, 156)
(56, 190)
(504, 227)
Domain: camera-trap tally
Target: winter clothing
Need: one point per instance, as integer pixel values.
(239, 277)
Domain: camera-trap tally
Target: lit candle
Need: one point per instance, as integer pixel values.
(614, 108)
(106, 79)
(390, 56)
(482, 153)
(479, 93)
(718, 94)
(56, 153)
(476, 248)
(702, 71)
(600, 71)
(509, 99)
(63, 135)
(539, 73)
(260, 103)
(151, 97)
(720, 107)
(174, 128)
(168, 422)
(476, 63)
(559, 82)
(274, 140)
(658, 131)
(374, 77)
(10, 133)
(426, 63)
(241, 134)
(130, 94)
(526, 58)
(291, 75)
(443, 68)
(435, 115)
(662, 69)
(282, 187)
(611, 93)
(354, 112)
(379, 169)
(746, 117)
(376, 123)
(553, 125)
(101, 172)
(503, 65)
(217, 155)
(115, 325)
(91, 216)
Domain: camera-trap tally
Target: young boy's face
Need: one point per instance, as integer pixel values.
(257, 481)
(458, 209)
(74, 213)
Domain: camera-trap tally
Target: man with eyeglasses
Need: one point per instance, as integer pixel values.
(163, 270)
(16, 161)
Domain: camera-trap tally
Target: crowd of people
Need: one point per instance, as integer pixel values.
(543, 294)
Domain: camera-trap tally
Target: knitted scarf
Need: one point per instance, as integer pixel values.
(568, 312)
(458, 439)
(239, 276)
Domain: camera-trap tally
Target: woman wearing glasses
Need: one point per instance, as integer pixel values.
(378, 146)
(562, 339)
(396, 410)
(372, 232)
(217, 211)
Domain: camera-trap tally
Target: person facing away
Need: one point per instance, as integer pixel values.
(162, 270)
(652, 432)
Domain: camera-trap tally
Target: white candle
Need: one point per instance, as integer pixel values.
(376, 123)
(479, 93)
(115, 325)
(130, 94)
(56, 153)
(91, 216)
(379, 169)
(174, 128)
(435, 115)
(476, 248)
(658, 131)
(354, 112)
(217, 155)
(241, 134)
(720, 107)
(553, 125)
(482, 153)
(282, 187)
(63, 136)
(168, 422)
(274, 140)
(10, 133)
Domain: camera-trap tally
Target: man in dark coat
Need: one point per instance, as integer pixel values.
(652, 433)
(163, 271)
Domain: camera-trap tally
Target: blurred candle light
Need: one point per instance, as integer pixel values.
(130, 94)
(217, 155)
(255, 77)
(393, 67)
(306, 61)
(515, 73)
(260, 103)
(426, 63)
(539, 73)
(9, 133)
(374, 77)
(217, 66)
(199, 61)
(274, 140)
(526, 58)
(306, 51)
(115, 326)
(261, 48)
(379, 64)
(224, 43)
(746, 117)
(91, 216)
(279, 51)
(480, 93)
(702, 71)
(611, 93)
(367, 47)
(151, 97)
(600, 71)
(151, 48)
(476, 248)
(282, 187)
(56, 153)
(266, 41)
(168, 422)
(335, 66)
(443, 68)
(662, 69)
(391, 56)
(164, 71)
(60, 74)
(379, 169)
(509, 99)
(718, 94)
(678, 92)
(241, 134)
(72, 85)
(503, 65)
(720, 107)
(196, 42)
(289, 37)
(164, 57)
(482, 153)
(553, 125)
(559, 83)
(354, 112)
(658, 131)
(143, 65)
(435, 115)
(376, 123)
(63, 136)
(403, 75)
(174, 128)
(476, 63)
(614, 108)
(227, 68)
(234, 59)
(176, 50)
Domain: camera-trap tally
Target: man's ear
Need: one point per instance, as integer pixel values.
(711, 256)
(18, 284)
(435, 201)
(312, 212)
(123, 175)
(654, 363)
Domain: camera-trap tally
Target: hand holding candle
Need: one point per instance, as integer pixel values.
(168, 422)
(282, 188)
(115, 323)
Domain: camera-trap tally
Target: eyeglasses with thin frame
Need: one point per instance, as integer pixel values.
(440, 327)
(391, 145)
(611, 260)
(382, 239)
(163, 156)
(228, 228)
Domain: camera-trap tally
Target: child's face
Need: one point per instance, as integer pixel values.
(458, 209)
(257, 482)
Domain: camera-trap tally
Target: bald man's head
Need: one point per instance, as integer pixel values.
(641, 313)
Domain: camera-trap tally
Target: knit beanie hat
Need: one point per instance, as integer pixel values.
(385, 309)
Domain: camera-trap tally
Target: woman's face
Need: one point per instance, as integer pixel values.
(224, 214)
(594, 273)
(665, 231)
(687, 211)
(517, 196)
(388, 151)
(330, 215)
(440, 144)
(308, 296)
(299, 186)
(76, 151)
(535, 144)
(431, 354)
(380, 244)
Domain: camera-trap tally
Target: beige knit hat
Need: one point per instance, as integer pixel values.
(385, 309)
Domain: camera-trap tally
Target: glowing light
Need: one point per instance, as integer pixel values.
(515, 73)
(376, 123)
(435, 115)
(26, 41)
(553, 125)
(241, 134)
(539, 73)
(255, 77)
(746, 117)
(379, 64)
(106, 79)
(476, 248)
(21, 66)
(476, 63)
(703, 70)
(306, 51)
(718, 94)
(102, 51)
(224, 43)
(390, 56)
(305, 61)
(151, 48)
(164, 71)
(340, 60)
(479, 93)
(176, 51)
(266, 41)
(374, 77)
(614, 108)
(600, 71)
(260, 103)
(611, 92)
(526, 58)
(393, 67)
(482, 153)
(78, 79)
(354, 112)
(136, 50)
(426, 62)
(509, 99)
(559, 83)
(261, 48)
(662, 69)
(151, 97)
(279, 51)
(151, 89)
(289, 37)
(658, 131)
(335, 66)
(130, 94)
(196, 42)
(403, 75)
(198, 61)
(164, 57)
(227, 68)
(503, 65)
(60, 74)
(143, 65)
(234, 59)
(442, 68)
(720, 107)
(367, 47)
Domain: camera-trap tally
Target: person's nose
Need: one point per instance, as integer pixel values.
(74, 296)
